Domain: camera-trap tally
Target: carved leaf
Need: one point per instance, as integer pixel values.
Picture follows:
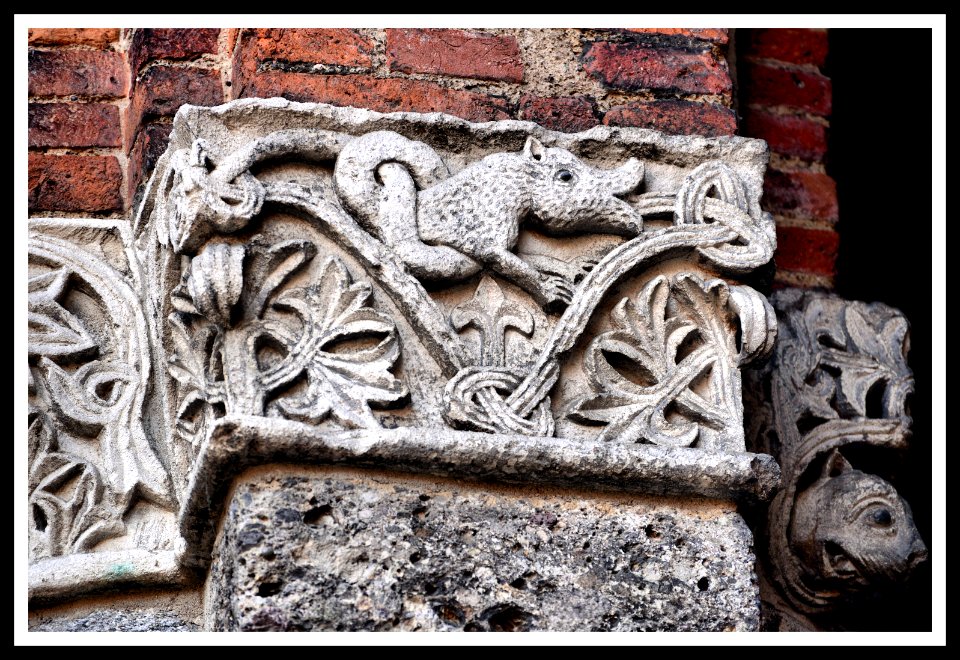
(216, 281)
(89, 398)
(66, 499)
(647, 340)
(346, 349)
(54, 331)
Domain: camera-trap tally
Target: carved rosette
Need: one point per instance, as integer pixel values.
(836, 386)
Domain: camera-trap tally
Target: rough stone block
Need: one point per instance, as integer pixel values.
(455, 53)
(335, 550)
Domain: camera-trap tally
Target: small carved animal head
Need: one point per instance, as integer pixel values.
(853, 530)
(570, 196)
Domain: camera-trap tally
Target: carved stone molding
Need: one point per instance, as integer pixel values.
(414, 292)
(834, 392)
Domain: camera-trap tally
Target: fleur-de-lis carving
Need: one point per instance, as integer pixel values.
(492, 314)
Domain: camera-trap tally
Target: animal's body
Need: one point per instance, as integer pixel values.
(449, 227)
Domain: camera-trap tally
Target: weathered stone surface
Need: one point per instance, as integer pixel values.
(368, 551)
(831, 405)
(126, 620)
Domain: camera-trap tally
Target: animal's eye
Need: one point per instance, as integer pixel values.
(565, 175)
(881, 517)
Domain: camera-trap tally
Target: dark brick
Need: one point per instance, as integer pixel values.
(330, 46)
(170, 44)
(808, 195)
(74, 125)
(455, 53)
(675, 116)
(161, 90)
(79, 72)
(787, 134)
(807, 250)
(149, 145)
(380, 94)
(635, 67)
(569, 114)
(791, 88)
(716, 35)
(74, 183)
(97, 37)
(794, 45)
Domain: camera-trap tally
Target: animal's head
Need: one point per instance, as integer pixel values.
(568, 195)
(852, 530)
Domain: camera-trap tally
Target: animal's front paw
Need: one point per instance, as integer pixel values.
(584, 265)
(556, 291)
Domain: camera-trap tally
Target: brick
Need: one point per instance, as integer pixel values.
(74, 183)
(97, 37)
(338, 47)
(170, 44)
(807, 195)
(569, 114)
(675, 116)
(380, 94)
(634, 67)
(797, 46)
(149, 145)
(76, 72)
(161, 90)
(716, 35)
(787, 134)
(807, 250)
(74, 125)
(455, 53)
(803, 90)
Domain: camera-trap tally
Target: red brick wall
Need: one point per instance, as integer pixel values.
(785, 99)
(102, 100)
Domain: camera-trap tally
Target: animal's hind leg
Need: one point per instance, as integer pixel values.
(398, 229)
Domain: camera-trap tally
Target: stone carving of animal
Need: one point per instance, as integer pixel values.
(449, 227)
(852, 529)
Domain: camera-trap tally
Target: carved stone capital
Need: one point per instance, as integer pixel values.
(834, 392)
(310, 283)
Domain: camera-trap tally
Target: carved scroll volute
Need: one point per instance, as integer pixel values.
(838, 379)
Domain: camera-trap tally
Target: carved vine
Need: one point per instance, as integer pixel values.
(395, 202)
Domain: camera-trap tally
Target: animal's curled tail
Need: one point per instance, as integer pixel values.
(374, 189)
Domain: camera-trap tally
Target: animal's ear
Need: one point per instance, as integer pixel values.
(835, 465)
(533, 149)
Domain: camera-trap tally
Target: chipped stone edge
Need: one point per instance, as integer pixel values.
(239, 442)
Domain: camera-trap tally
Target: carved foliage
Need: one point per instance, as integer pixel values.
(838, 378)
(667, 374)
(89, 456)
(246, 343)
